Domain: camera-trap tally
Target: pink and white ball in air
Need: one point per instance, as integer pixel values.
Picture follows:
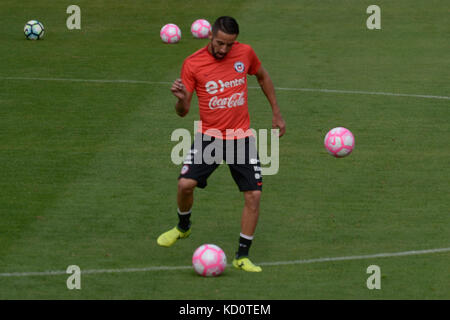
(170, 33)
(209, 260)
(200, 28)
(339, 142)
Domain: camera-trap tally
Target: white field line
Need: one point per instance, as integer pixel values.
(366, 92)
(87, 80)
(278, 263)
(250, 87)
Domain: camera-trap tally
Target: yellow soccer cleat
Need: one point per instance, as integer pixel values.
(245, 264)
(168, 238)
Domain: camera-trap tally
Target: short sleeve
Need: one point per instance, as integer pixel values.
(187, 76)
(255, 64)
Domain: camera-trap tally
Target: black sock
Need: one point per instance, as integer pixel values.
(244, 246)
(184, 220)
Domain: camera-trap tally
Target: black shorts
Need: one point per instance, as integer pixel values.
(207, 153)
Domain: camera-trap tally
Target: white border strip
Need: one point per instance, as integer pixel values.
(279, 263)
(250, 87)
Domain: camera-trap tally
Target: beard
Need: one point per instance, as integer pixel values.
(217, 55)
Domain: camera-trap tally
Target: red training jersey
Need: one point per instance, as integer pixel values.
(221, 87)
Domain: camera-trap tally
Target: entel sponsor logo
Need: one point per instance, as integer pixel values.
(212, 87)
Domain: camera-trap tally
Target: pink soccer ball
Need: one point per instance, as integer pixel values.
(209, 260)
(170, 33)
(200, 28)
(339, 142)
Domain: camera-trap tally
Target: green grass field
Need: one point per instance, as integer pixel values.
(86, 176)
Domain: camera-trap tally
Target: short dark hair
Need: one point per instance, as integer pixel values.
(225, 24)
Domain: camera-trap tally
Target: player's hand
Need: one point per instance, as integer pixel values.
(278, 123)
(178, 89)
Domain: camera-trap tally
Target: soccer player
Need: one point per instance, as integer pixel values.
(218, 74)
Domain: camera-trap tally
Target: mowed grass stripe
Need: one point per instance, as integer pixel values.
(91, 214)
(425, 96)
(276, 263)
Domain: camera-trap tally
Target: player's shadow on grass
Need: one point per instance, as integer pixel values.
(193, 274)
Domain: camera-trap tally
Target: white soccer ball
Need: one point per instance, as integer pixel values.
(209, 260)
(170, 33)
(34, 30)
(200, 28)
(339, 142)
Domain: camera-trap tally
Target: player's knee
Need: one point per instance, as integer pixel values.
(252, 199)
(186, 186)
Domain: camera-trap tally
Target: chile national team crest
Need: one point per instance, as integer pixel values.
(239, 66)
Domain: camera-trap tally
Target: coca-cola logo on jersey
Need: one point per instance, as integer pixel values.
(235, 100)
(212, 87)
